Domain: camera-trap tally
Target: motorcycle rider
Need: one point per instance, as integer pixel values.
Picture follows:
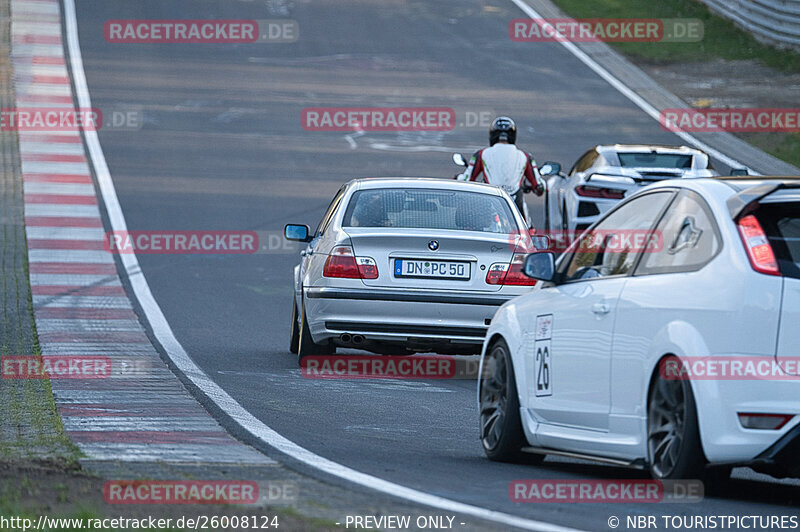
(505, 165)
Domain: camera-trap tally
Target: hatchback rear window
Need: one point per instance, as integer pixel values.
(655, 160)
(781, 222)
(422, 208)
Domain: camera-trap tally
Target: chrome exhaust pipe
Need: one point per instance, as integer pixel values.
(346, 338)
(358, 339)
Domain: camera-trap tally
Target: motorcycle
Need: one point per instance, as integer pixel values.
(526, 188)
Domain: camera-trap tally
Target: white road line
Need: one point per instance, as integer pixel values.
(626, 91)
(181, 359)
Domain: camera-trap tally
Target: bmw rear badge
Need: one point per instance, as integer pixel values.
(433, 245)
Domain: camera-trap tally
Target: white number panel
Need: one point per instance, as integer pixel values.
(543, 376)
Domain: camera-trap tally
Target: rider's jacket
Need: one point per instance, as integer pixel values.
(506, 166)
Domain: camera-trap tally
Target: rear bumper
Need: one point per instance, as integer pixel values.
(411, 318)
(781, 457)
(579, 223)
(408, 296)
(720, 401)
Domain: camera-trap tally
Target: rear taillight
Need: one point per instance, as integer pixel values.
(764, 421)
(599, 192)
(343, 263)
(505, 273)
(760, 253)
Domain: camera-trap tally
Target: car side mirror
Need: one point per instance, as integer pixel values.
(550, 168)
(298, 233)
(459, 159)
(739, 171)
(540, 266)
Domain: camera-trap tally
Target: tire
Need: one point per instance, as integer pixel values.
(502, 436)
(294, 339)
(306, 346)
(674, 450)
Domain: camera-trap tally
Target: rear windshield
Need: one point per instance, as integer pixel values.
(781, 222)
(655, 160)
(422, 208)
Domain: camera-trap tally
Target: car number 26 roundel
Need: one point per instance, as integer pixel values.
(541, 348)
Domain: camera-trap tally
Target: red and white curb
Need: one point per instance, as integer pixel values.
(142, 412)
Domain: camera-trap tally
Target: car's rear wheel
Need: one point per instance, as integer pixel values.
(502, 436)
(294, 340)
(673, 435)
(306, 346)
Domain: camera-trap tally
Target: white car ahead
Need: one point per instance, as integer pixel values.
(606, 174)
(700, 275)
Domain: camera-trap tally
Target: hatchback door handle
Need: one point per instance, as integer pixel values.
(601, 308)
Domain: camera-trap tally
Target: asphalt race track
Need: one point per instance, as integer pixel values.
(221, 147)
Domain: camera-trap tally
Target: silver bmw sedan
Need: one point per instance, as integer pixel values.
(403, 265)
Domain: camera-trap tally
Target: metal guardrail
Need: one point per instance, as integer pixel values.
(773, 21)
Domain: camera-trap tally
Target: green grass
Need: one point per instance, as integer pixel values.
(32, 425)
(785, 146)
(722, 39)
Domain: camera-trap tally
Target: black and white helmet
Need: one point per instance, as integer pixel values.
(503, 128)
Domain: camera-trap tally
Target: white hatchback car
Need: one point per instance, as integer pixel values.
(576, 366)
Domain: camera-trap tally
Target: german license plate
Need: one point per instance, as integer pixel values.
(430, 269)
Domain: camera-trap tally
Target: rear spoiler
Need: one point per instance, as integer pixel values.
(635, 180)
(744, 200)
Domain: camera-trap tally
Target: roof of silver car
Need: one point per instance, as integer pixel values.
(423, 182)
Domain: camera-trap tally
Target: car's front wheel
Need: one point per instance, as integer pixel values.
(294, 339)
(673, 435)
(502, 436)
(306, 346)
